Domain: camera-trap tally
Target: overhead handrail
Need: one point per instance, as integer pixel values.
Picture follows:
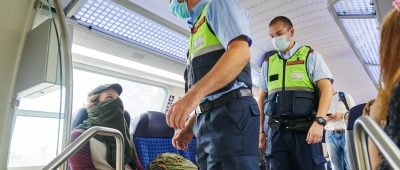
(83, 138)
(366, 127)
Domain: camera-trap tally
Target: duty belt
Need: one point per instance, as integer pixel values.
(299, 124)
(208, 105)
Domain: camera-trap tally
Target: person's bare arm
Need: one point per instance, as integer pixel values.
(325, 87)
(374, 155)
(224, 71)
(260, 101)
(316, 130)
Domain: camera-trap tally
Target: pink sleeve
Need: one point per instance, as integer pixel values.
(81, 159)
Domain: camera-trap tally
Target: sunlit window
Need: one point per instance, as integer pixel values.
(34, 141)
(137, 97)
(49, 102)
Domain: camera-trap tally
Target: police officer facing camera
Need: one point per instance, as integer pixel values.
(289, 97)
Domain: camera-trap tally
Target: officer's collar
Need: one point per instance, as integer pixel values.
(195, 13)
(290, 52)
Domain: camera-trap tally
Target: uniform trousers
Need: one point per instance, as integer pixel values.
(288, 150)
(227, 136)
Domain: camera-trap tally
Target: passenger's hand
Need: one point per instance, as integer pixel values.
(315, 133)
(336, 116)
(180, 110)
(329, 118)
(261, 141)
(182, 138)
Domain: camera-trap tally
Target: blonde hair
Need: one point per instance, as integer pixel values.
(389, 61)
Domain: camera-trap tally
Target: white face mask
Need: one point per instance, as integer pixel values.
(280, 43)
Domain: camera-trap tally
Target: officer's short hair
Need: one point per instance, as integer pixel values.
(286, 21)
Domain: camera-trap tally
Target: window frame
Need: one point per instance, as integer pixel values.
(123, 76)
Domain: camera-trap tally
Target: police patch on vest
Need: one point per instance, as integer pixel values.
(296, 76)
(295, 62)
(199, 42)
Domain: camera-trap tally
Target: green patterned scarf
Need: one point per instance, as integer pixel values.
(110, 114)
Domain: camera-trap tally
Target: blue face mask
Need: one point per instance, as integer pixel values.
(179, 9)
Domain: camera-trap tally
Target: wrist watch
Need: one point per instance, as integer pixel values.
(320, 120)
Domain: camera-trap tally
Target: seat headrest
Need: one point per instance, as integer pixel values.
(354, 113)
(152, 124)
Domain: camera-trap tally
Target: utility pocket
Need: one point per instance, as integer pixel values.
(303, 104)
(270, 104)
(254, 110)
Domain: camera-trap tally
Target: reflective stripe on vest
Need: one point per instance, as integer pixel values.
(296, 76)
(202, 39)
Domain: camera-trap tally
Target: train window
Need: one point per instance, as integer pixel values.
(37, 130)
(34, 141)
(137, 97)
(49, 102)
(37, 125)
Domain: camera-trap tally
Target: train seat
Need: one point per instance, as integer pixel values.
(152, 136)
(354, 113)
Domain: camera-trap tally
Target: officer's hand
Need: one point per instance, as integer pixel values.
(182, 138)
(261, 141)
(180, 110)
(315, 133)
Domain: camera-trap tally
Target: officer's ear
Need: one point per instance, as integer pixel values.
(291, 31)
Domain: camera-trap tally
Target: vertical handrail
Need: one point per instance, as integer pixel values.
(366, 127)
(68, 81)
(83, 138)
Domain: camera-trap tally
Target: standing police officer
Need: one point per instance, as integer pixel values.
(288, 97)
(219, 81)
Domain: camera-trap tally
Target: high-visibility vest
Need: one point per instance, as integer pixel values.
(291, 73)
(204, 51)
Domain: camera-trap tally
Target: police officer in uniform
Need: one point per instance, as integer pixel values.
(218, 75)
(288, 96)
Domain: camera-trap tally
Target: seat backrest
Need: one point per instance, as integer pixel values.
(152, 136)
(354, 113)
(152, 124)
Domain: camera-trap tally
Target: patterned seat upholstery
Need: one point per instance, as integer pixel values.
(152, 136)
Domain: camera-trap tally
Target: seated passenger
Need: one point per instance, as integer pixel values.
(105, 109)
(386, 109)
(83, 113)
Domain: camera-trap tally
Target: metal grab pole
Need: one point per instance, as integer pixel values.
(365, 126)
(68, 80)
(83, 138)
